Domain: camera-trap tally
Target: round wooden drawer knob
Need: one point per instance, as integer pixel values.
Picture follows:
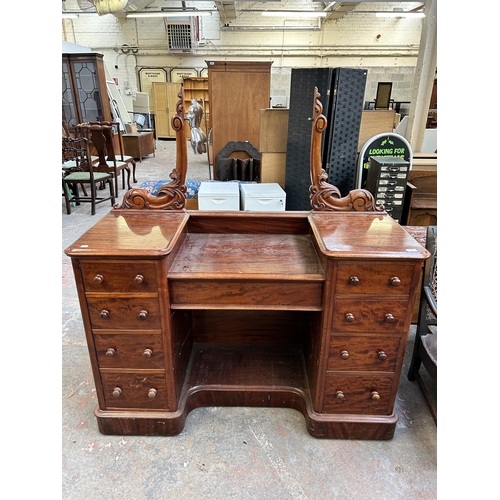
(354, 281)
(104, 314)
(382, 355)
(152, 393)
(375, 395)
(395, 281)
(147, 353)
(339, 395)
(143, 315)
(116, 392)
(389, 318)
(98, 279)
(344, 355)
(349, 317)
(110, 352)
(138, 279)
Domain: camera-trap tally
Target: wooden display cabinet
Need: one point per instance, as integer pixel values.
(84, 93)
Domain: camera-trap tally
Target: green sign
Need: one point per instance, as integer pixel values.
(387, 144)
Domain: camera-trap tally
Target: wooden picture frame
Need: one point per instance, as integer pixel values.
(383, 98)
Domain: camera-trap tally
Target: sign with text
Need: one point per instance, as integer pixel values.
(386, 144)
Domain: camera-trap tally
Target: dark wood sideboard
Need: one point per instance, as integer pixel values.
(305, 310)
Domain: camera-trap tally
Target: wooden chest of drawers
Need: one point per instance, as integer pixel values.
(125, 321)
(366, 348)
(296, 309)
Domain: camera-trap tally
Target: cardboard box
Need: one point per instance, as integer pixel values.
(130, 128)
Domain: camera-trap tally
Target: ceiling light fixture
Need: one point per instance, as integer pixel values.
(173, 13)
(294, 13)
(400, 14)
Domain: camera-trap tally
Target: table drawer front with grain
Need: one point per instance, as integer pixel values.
(357, 394)
(374, 278)
(145, 391)
(369, 316)
(132, 313)
(238, 294)
(127, 276)
(371, 353)
(142, 351)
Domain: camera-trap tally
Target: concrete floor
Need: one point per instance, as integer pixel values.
(225, 453)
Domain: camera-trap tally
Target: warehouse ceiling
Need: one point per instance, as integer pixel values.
(228, 10)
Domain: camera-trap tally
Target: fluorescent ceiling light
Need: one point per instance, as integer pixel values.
(69, 15)
(400, 14)
(176, 13)
(295, 13)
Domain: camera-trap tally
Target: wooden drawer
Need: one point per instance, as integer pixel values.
(132, 389)
(130, 313)
(377, 353)
(130, 351)
(374, 278)
(369, 316)
(233, 294)
(126, 276)
(357, 395)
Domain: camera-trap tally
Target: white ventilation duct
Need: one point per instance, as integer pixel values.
(109, 6)
(104, 7)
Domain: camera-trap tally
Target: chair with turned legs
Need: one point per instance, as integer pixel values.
(78, 170)
(102, 140)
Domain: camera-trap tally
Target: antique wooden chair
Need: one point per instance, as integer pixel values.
(425, 348)
(120, 155)
(102, 140)
(79, 170)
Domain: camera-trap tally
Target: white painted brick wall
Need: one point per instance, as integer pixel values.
(348, 42)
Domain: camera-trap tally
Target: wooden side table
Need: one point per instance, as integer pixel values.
(139, 144)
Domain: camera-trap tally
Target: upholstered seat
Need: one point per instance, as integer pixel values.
(78, 170)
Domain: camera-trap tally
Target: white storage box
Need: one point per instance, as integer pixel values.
(266, 197)
(219, 196)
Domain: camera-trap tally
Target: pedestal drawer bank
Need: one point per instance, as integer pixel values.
(306, 310)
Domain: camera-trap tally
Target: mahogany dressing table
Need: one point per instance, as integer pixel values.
(306, 310)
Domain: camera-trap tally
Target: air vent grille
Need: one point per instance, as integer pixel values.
(180, 37)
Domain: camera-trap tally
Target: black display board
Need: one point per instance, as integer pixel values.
(298, 177)
(342, 93)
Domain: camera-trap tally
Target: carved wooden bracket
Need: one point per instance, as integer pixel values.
(324, 196)
(172, 195)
